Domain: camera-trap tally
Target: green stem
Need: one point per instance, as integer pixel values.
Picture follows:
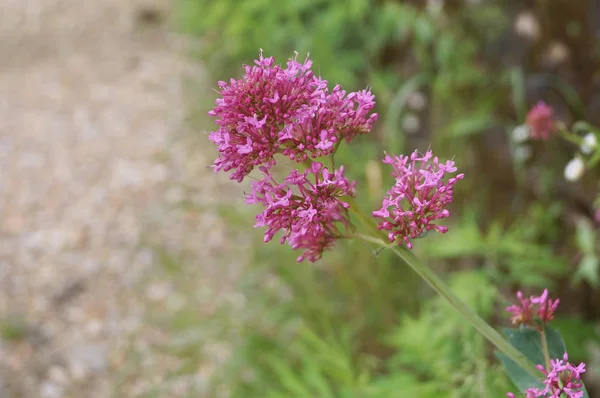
(545, 348)
(568, 136)
(444, 290)
(478, 323)
(364, 219)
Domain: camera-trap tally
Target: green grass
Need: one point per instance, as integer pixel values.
(359, 323)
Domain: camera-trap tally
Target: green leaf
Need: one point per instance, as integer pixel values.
(588, 270)
(585, 236)
(470, 125)
(529, 342)
(584, 127)
(424, 30)
(577, 334)
(395, 110)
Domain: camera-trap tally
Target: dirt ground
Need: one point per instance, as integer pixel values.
(94, 159)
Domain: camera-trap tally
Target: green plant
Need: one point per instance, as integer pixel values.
(399, 48)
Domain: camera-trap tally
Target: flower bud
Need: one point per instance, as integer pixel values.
(520, 134)
(590, 142)
(574, 169)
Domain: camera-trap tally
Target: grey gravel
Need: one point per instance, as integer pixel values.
(95, 156)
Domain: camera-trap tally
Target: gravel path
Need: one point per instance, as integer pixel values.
(93, 165)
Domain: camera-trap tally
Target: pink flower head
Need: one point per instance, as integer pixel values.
(307, 206)
(546, 306)
(339, 117)
(562, 380)
(541, 306)
(252, 112)
(283, 110)
(540, 120)
(521, 314)
(418, 198)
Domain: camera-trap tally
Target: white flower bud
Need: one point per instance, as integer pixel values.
(527, 25)
(520, 134)
(416, 101)
(574, 169)
(411, 124)
(522, 153)
(590, 142)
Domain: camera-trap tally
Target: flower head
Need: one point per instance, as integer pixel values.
(283, 110)
(521, 314)
(252, 112)
(546, 306)
(563, 379)
(540, 121)
(307, 206)
(542, 306)
(418, 198)
(339, 117)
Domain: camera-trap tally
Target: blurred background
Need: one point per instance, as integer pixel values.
(129, 269)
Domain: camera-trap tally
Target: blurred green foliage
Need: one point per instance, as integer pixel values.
(359, 324)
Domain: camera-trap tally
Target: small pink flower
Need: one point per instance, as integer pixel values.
(546, 306)
(283, 110)
(418, 198)
(562, 380)
(540, 121)
(541, 306)
(521, 314)
(308, 207)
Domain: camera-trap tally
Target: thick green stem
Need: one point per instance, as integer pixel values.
(478, 323)
(443, 290)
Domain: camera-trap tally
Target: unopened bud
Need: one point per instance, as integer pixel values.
(520, 134)
(574, 169)
(590, 142)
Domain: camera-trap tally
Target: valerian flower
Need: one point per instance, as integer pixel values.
(253, 111)
(338, 118)
(540, 121)
(308, 207)
(418, 198)
(283, 110)
(521, 314)
(545, 306)
(542, 306)
(563, 379)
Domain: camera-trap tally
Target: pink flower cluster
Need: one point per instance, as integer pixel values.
(307, 207)
(284, 110)
(562, 380)
(542, 306)
(540, 121)
(418, 198)
(289, 111)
